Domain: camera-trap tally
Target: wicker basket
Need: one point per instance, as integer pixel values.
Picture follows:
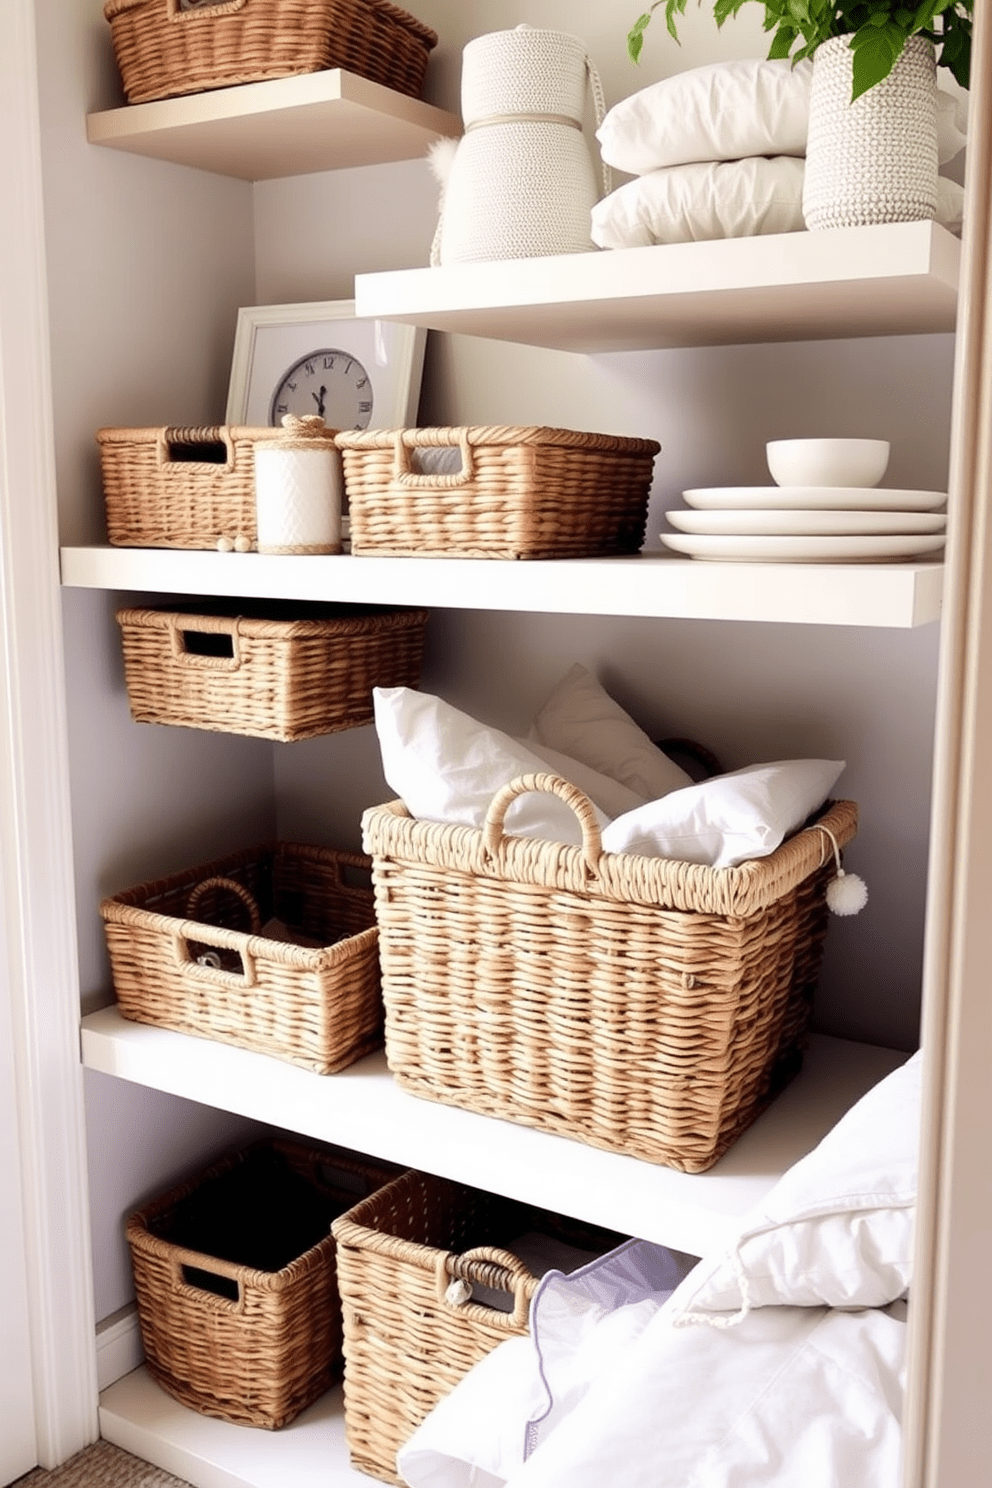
(180, 488)
(268, 677)
(408, 1339)
(643, 1005)
(235, 1280)
(301, 982)
(514, 492)
(168, 47)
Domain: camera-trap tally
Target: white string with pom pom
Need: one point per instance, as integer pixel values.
(847, 894)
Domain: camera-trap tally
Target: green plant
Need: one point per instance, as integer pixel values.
(879, 30)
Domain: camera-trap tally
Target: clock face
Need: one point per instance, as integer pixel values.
(328, 382)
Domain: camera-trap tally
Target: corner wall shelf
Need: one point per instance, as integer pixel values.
(890, 595)
(292, 126)
(893, 279)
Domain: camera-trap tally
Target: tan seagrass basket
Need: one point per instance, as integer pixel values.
(235, 1281)
(640, 1004)
(168, 47)
(496, 492)
(267, 676)
(272, 949)
(180, 488)
(409, 1259)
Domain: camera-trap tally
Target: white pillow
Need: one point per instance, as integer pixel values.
(694, 203)
(837, 1229)
(445, 766)
(583, 721)
(728, 199)
(730, 818)
(611, 796)
(951, 127)
(723, 111)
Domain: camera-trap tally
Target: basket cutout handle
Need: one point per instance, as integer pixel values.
(188, 10)
(488, 1266)
(208, 446)
(406, 440)
(193, 932)
(188, 635)
(206, 1281)
(493, 835)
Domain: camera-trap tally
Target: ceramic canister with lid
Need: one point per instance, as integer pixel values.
(298, 489)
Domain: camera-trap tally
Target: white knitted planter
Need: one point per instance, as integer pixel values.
(522, 182)
(873, 160)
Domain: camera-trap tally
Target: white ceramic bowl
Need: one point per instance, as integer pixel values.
(827, 462)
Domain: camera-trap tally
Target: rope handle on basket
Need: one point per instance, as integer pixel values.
(230, 886)
(406, 440)
(487, 1266)
(599, 110)
(592, 841)
(229, 625)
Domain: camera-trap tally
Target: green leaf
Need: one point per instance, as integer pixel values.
(635, 44)
(782, 42)
(873, 60)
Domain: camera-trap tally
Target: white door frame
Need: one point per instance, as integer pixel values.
(42, 987)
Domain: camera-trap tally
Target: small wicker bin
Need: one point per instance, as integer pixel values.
(512, 492)
(408, 1339)
(198, 953)
(269, 677)
(168, 47)
(234, 1275)
(180, 488)
(643, 1005)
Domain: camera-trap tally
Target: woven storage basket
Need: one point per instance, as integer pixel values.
(408, 1340)
(180, 488)
(643, 1005)
(271, 678)
(514, 492)
(164, 48)
(235, 1280)
(182, 958)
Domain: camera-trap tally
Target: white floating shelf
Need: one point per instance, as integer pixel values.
(364, 1109)
(290, 126)
(893, 279)
(311, 1452)
(894, 595)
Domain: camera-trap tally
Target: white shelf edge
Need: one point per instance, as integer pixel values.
(890, 279)
(891, 595)
(316, 121)
(364, 1109)
(311, 1452)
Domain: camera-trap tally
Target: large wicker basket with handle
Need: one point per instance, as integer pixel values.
(640, 1004)
(169, 47)
(496, 492)
(272, 949)
(413, 1260)
(235, 1279)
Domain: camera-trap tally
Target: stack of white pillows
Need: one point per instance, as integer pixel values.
(446, 766)
(719, 152)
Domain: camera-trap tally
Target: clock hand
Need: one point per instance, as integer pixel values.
(320, 401)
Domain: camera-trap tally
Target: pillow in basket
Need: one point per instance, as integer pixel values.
(446, 766)
(582, 721)
(724, 821)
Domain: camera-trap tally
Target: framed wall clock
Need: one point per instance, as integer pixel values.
(319, 359)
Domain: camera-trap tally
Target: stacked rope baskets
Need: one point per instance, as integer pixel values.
(521, 183)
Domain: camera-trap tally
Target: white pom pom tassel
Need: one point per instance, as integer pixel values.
(847, 894)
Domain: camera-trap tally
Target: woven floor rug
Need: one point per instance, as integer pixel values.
(101, 1466)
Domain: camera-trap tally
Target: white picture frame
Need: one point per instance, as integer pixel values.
(271, 339)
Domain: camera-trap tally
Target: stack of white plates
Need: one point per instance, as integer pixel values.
(808, 524)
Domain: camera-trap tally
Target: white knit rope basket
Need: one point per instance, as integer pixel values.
(873, 160)
(522, 182)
